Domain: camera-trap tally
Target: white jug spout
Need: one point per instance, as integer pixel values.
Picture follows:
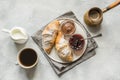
(6, 30)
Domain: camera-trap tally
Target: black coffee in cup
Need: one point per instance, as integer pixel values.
(27, 58)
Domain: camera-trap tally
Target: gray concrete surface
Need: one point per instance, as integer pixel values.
(32, 14)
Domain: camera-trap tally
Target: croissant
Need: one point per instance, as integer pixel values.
(49, 35)
(63, 49)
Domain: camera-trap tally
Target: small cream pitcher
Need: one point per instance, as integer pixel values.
(17, 34)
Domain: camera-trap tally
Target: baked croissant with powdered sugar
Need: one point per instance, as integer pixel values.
(63, 49)
(49, 35)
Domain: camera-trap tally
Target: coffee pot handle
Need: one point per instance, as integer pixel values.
(117, 2)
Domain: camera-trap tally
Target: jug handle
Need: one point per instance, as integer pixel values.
(117, 2)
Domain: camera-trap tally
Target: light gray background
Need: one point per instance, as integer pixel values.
(33, 14)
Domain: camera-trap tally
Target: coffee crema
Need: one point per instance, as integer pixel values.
(94, 14)
(28, 57)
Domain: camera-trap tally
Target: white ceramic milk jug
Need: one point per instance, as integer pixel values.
(17, 34)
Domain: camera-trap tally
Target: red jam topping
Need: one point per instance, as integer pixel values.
(76, 42)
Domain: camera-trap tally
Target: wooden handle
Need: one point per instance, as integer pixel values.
(117, 2)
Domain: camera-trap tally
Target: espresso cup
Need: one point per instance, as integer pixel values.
(93, 17)
(27, 58)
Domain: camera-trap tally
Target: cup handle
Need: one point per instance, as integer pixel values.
(16, 63)
(117, 2)
(6, 30)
